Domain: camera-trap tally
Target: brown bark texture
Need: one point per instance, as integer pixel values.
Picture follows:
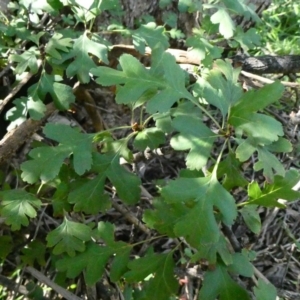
(269, 64)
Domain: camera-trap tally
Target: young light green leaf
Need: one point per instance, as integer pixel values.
(149, 137)
(219, 283)
(193, 136)
(17, 206)
(281, 188)
(83, 63)
(251, 218)
(201, 195)
(226, 25)
(69, 237)
(265, 291)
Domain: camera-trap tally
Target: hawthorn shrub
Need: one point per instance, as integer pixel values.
(203, 115)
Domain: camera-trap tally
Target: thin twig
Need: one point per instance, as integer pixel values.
(130, 217)
(42, 278)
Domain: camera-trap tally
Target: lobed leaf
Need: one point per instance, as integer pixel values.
(69, 237)
(17, 206)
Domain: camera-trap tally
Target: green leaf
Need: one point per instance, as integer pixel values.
(226, 25)
(164, 284)
(268, 162)
(26, 60)
(243, 114)
(249, 39)
(230, 169)
(83, 63)
(219, 283)
(59, 199)
(58, 43)
(69, 237)
(241, 265)
(158, 219)
(119, 265)
(281, 188)
(88, 196)
(52, 157)
(265, 291)
(93, 260)
(118, 147)
(281, 145)
(61, 94)
(23, 106)
(150, 34)
(126, 183)
(202, 48)
(6, 246)
(34, 251)
(135, 77)
(201, 195)
(189, 5)
(149, 137)
(210, 251)
(17, 206)
(269, 128)
(136, 80)
(193, 136)
(251, 218)
(173, 86)
(245, 149)
(71, 142)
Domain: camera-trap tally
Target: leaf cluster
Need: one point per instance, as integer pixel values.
(211, 121)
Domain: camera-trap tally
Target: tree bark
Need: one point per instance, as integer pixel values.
(269, 64)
